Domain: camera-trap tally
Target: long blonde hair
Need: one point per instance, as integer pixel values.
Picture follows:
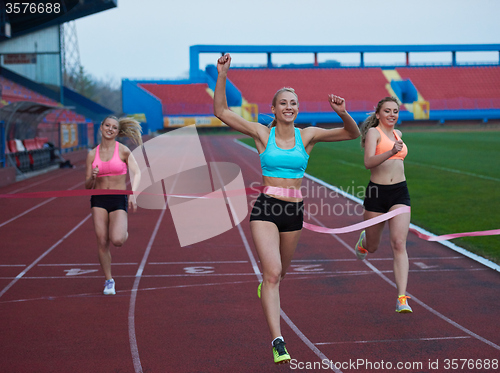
(372, 120)
(128, 127)
(275, 98)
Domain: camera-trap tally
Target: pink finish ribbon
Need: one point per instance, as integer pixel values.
(67, 193)
(295, 193)
(94, 192)
(358, 226)
(450, 236)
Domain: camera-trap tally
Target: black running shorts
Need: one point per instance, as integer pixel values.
(288, 216)
(380, 198)
(110, 202)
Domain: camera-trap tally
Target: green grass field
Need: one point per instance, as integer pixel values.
(453, 178)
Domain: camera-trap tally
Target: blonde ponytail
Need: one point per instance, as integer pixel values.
(128, 127)
(369, 122)
(131, 128)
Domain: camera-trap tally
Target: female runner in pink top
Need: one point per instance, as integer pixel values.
(107, 169)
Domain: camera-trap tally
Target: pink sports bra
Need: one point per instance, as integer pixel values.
(115, 166)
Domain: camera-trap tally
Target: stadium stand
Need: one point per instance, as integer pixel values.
(36, 122)
(455, 88)
(432, 93)
(13, 92)
(29, 154)
(185, 99)
(362, 86)
(63, 116)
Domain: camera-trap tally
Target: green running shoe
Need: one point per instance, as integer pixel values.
(259, 289)
(281, 355)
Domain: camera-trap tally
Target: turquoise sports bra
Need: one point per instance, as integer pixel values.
(285, 163)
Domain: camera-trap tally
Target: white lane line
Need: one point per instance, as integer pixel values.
(35, 184)
(371, 266)
(256, 269)
(126, 291)
(461, 250)
(27, 211)
(217, 262)
(84, 264)
(133, 297)
(394, 340)
(291, 273)
(357, 165)
(227, 262)
(35, 207)
(379, 259)
(20, 275)
(413, 298)
(458, 249)
(454, 171)
(450, 245)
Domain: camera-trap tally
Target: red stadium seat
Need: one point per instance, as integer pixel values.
(453, 88)
(185, 99)
(12, 146)
(30, 144)
(19, 153)
(11, 158)
(41, 141)
(362, 87)
(13, 92)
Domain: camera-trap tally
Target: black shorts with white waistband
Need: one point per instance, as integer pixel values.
(380, 198)
(287, 216)
(110, 202)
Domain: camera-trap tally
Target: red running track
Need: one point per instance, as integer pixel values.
(195, 309)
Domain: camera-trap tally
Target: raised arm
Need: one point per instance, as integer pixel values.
(222, 111)
(350, 131)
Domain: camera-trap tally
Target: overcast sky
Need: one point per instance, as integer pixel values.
(151, 38)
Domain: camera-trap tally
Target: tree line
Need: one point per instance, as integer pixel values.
(105, 92)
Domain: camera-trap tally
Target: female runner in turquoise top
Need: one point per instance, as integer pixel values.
(276, 221)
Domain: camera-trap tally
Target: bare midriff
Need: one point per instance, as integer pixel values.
(118, 182)
(391, 171)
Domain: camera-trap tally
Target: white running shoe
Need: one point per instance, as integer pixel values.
(109, 287)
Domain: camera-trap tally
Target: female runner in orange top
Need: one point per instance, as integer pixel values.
(386, 191)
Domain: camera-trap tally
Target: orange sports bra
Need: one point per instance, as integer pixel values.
(385, 144)
(115, 166)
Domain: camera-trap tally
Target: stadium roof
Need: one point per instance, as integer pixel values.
(25, 21)
(343, 48)
(22, 118)
(196, 50)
